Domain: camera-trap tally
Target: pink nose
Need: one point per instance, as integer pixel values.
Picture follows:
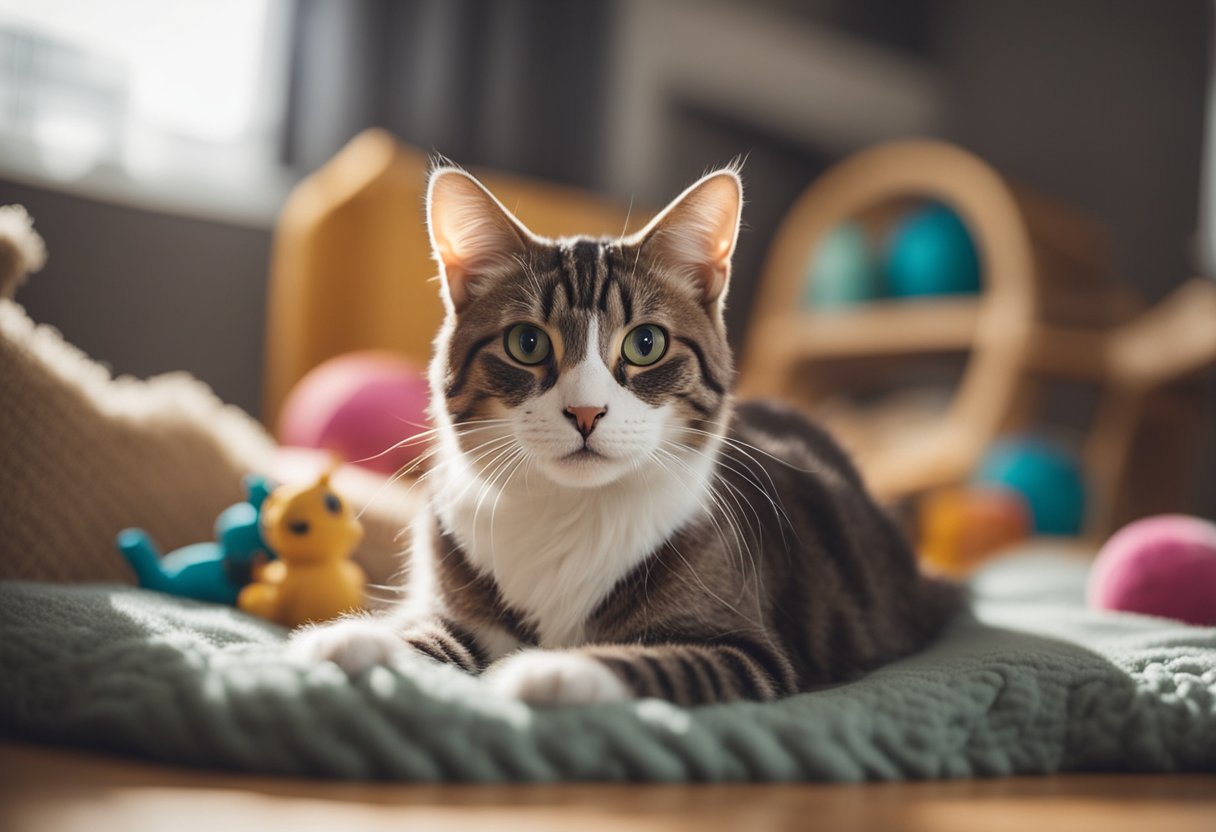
(585, 418)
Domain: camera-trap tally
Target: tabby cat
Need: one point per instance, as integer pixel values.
(604, 522)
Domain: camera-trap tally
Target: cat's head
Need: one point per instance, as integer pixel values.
(585, 358)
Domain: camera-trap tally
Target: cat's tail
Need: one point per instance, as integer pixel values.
(141, 553)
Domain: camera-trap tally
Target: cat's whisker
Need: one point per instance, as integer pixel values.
(668, 544)
(739, 443)
(751, 557)
(727, 513)
(474, 457)
(519, 458)
(410, 466)
(697, 577)
(736, 496)
(430, 433)
(495, 467)
(620, 239)
(778, 511)
(774, 500)
(712, 495)
(746, 557)
(740, 500)
(404, 472)
(509, 469)
(774, 497)
(482, 451)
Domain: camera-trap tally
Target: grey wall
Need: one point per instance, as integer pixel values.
(148, 293)
(1099, 102)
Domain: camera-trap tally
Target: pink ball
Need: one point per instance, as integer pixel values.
(359, 405)
(1163, 566)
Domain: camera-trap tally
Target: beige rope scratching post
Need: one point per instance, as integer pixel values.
(1048, 311)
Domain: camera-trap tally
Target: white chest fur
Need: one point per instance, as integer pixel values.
(557, 552)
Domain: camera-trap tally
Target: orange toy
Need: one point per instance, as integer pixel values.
(961, 526)
(314, 532)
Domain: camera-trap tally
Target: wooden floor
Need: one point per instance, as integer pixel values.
(45, 790)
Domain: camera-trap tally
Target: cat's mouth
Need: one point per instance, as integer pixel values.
(583, 454)
(585, 468)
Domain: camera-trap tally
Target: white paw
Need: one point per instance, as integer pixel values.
(354, 644)
(542, 677)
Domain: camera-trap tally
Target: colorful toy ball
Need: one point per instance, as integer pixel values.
(1163, 566)
(843, 270)
(959, 527)
(359, 406)
(932, 253)
(1047, 476)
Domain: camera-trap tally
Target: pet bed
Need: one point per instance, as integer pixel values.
(1033, 683)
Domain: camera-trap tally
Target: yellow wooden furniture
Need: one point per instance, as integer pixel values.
(1048, 310)
(351, 266)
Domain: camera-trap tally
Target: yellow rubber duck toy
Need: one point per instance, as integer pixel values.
(313, 532)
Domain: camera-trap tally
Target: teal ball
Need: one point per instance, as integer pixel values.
(1048, 476)
(843, 270)
(932, 253)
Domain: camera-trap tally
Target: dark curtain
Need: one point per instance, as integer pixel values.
(515, 84)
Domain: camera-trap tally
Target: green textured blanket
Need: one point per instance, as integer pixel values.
(1036, 684)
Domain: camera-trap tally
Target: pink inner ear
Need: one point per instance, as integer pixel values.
(455, 278)
(446, 253)
(696, 233)
(473, 235)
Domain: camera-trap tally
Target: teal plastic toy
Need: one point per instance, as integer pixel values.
(931, 253)
(1046, 475)
(843, 271)
(213, 571)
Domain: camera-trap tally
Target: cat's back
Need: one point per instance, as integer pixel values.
(848, 574)
(811, 497)
(776, 437)
(814, 492)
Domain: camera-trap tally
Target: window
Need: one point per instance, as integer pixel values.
(187, 91)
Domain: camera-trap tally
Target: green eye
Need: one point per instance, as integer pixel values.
(527, 344)
(644, 345)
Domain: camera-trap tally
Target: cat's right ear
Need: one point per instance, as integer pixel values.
(473, 237)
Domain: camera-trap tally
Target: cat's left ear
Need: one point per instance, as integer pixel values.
(695, 235)
(474, 238)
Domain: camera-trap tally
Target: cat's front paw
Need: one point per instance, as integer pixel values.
(354, 644)
(543, 677)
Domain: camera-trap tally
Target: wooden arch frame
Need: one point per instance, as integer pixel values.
(1039, 259)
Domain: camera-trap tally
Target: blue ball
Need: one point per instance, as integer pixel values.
(1046, 475)
(843, 269)
(932, 253)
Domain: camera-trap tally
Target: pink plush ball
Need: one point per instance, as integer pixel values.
(1163, 566)
(359, 405)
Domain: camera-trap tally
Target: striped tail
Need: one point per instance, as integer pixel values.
(144, 558)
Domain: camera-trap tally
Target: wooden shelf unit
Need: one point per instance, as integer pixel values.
(1048, 310)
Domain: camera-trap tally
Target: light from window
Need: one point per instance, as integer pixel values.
(141, 82)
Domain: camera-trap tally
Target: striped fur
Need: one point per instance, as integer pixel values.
(684, 548)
